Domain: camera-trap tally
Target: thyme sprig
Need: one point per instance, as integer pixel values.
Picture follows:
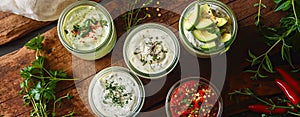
(286, 36)
(38, 87)
(132, 16)
(260, 5)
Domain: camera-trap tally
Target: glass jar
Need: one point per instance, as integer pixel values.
(151, 50)
(205, 45)
(114, 92)
(194, 96)
(86, 29)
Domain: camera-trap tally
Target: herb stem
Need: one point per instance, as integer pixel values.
(265, 55)
(292, 113)
(51, 78)
(261, 100)
(47, 72)
(37, 53)
(258, 13)
(271, 48)
(44, 113)
(295, 14)
(33, 103)
(59, 99)
(62, 79)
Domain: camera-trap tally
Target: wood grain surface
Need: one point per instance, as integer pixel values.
(57, 57)
(13, 26)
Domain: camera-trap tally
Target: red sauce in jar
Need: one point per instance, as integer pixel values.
(194, 99)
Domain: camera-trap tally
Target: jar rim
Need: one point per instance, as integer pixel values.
(98, 7)
(217, 4)
(168, 68)
(114, 69)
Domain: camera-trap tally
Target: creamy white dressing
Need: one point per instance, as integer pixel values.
(128, 97)
(151, 50)
(85, 27)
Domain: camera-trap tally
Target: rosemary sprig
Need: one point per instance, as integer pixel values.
(269, 102)
(285, 36)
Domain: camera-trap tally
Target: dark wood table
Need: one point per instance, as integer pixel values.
(225, 71)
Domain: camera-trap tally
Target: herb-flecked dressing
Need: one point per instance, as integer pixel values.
(116, 94)
(151, 51)
(85, 27)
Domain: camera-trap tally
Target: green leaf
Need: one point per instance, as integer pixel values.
(36, 91)
(39, 62)
(284, 6)
(272, 37)
(250, 71)
(26, 82)
(295, 70)
(62, 74)
(53, 114)
(251, 54)
(266, 69)
(261, 75)
(256, 23)
(269, 64)
(282, 52)
(263, 5)
(35, 43)
(256, 4)
(37, 96)
(26, 72)
(277, 1)
(270, 33)
(253, 77)
(287, 55)
(69, 96)
(288, 22)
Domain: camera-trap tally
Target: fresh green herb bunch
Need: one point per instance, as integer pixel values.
(39, 83)
(132, 16)
(286, 36)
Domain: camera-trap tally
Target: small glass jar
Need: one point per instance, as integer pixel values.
(194, 45)
(194, 96)
(86, 29)
(116, 92)
(151, 50)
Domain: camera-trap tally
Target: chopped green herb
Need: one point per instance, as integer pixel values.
(76, 27)
(104, 23)
(116, 94)
(156, 52)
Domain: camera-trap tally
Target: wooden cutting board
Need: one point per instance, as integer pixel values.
(13, 26)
